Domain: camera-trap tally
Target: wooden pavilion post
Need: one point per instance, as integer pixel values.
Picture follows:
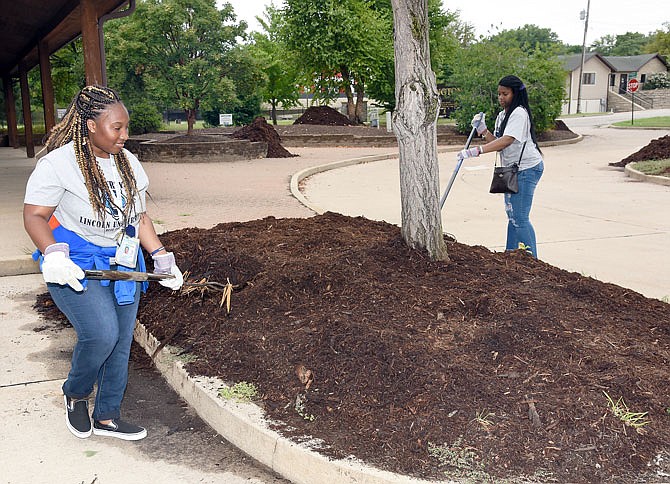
(27, 117)
(91, 42)
(48, 100)
(10, 108)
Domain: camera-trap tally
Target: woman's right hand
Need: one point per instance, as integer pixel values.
(58, 268)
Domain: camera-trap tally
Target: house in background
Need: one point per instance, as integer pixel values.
(595, 82)
(605, 80)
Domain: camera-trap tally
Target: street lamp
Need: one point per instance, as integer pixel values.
(582, 16)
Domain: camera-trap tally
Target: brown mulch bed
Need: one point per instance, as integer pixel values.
(499, 359)
(657, 149)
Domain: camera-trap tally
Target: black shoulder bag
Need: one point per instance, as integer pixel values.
(505, 178)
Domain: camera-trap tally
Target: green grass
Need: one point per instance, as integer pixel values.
(657, 122)
(653, 167)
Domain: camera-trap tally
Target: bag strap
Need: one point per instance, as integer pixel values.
(521, 154)
(518, 163)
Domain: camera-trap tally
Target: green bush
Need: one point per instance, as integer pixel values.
(144, 118)
(477, 70)
(658, 80)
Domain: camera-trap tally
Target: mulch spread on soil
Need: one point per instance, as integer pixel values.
(657, 149)
(500, 361)
(323, 115)
(260, 130)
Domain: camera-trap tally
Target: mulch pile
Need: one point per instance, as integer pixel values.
(489, 366)
(323, 115)
(260, 130)
(657, 149)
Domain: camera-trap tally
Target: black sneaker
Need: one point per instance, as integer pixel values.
(119, 429)
(76, 417)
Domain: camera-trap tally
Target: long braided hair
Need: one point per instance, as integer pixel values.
(89, 103)
(519, 98)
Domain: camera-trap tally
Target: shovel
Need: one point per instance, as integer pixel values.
(126, 275)
(460, 161)
(109, 275)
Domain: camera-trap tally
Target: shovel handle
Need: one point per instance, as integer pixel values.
(125, 275)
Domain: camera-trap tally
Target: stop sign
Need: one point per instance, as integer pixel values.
(633, 85)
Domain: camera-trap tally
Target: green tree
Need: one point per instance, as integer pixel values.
(179, 48)
(279, 65)
(479, 68)
(338, 43)
(447, 34)
(630, 43)
(529, 38)
(659, 42)
(247, 73)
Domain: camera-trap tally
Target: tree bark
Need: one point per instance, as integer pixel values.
(190, 120)
(360, 96)
(346, 83)
(414, 123)
(273, 113)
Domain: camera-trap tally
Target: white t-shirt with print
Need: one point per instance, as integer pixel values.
(518, 127)
(57, 181)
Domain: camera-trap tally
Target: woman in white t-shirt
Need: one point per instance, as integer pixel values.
(84, 208)
(514, 138)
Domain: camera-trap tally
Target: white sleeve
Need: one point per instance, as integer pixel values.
(44, 186)
(517, 124)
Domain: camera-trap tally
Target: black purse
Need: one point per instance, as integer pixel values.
(506, 178)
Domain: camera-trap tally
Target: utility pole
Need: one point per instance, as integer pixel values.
(582, 16)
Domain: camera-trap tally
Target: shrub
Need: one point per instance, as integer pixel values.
(144, 118)
(658, 80)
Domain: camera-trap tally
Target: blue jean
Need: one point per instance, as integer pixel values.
(517, 206)
(104, 335)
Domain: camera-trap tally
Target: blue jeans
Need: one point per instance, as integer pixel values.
(104, 335)
(517, 206)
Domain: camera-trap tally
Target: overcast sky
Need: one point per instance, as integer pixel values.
(606, 17)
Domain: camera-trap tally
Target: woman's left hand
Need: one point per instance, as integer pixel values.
(165, 264)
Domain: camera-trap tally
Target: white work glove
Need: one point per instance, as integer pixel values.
(58, 268)
(481, 127)
(165, 264)
(469, 153)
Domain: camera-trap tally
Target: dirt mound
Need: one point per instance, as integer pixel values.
(559, 125)
(657, 149)
(260, 130)
(493, 365)
(323, 115)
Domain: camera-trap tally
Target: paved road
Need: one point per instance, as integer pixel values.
(589, 218)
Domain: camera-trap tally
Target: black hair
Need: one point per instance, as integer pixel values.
(90, 103)
(519, 98)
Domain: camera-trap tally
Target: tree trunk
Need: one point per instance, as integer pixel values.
(190, 120)
(346, 83)
(273, 113)
(360, 95)
(414, 123)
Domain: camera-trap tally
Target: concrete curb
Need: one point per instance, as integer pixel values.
(243, 425)
(307, 172)
(638, 175)
(18, 266)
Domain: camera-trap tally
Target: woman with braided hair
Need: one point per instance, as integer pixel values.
(85, 208)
